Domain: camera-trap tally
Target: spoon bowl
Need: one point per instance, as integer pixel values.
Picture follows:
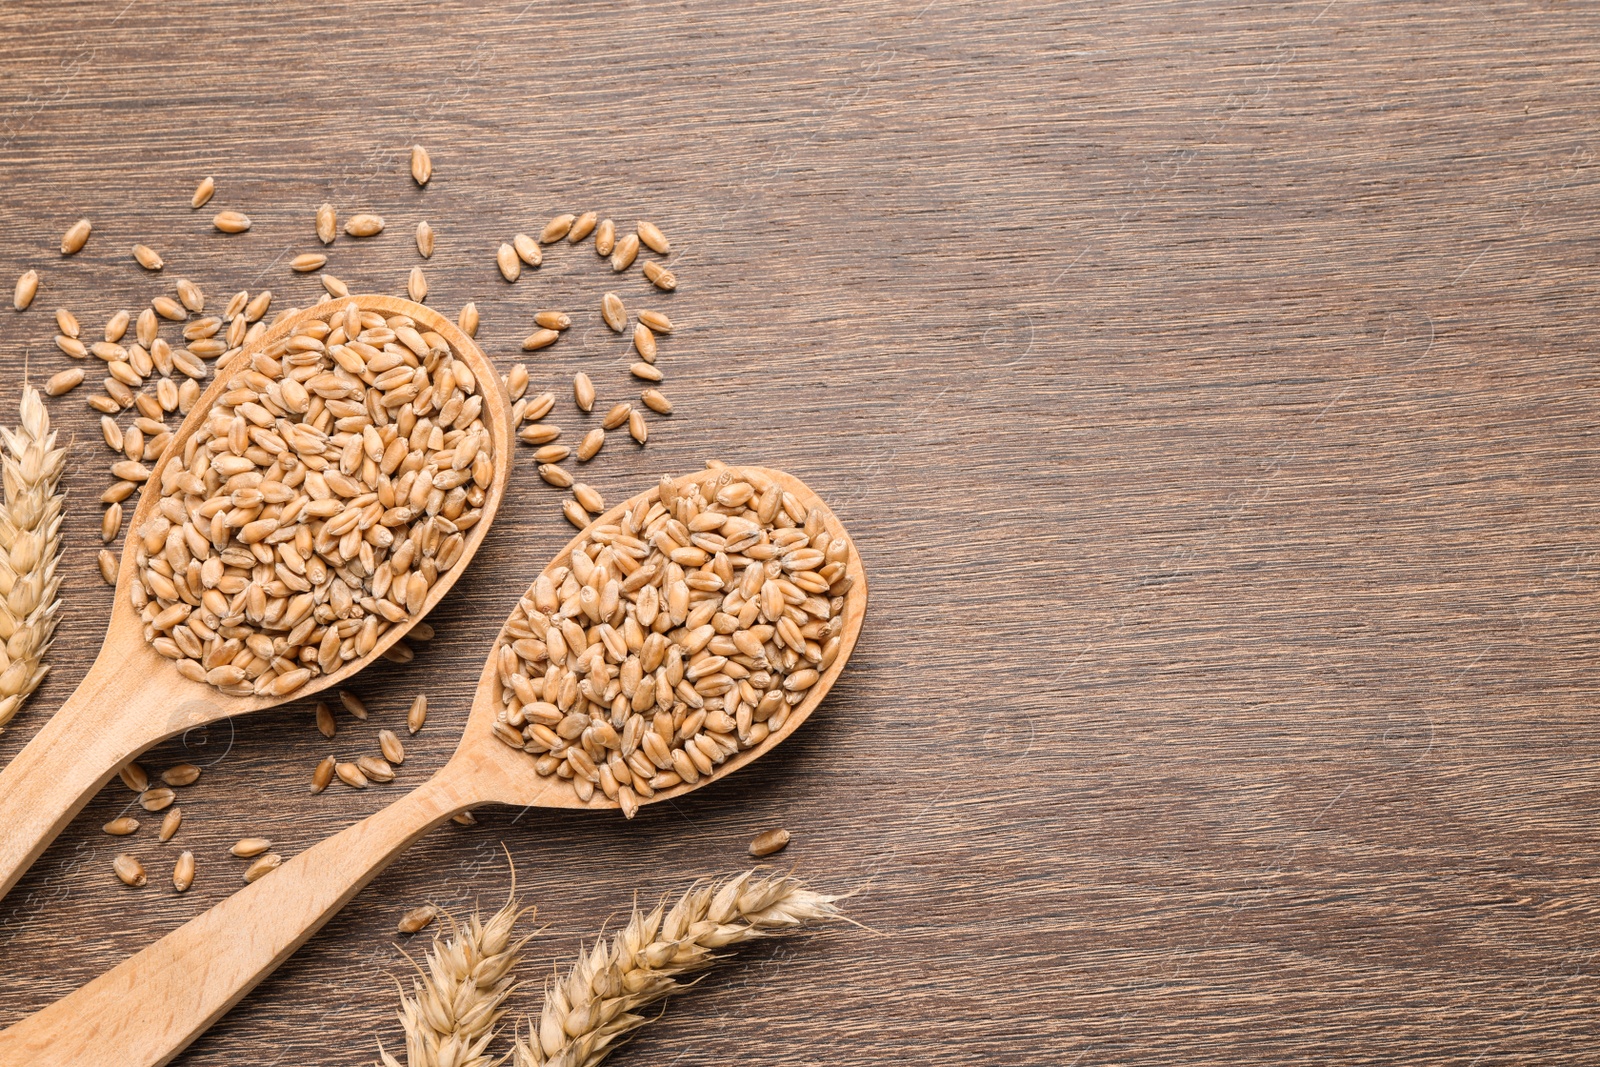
(148, 1008)
(133, 697)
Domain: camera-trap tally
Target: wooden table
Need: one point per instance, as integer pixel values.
(1208, 387)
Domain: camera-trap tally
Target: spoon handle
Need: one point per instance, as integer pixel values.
(149, 1007)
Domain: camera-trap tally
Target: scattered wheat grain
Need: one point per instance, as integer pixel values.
(129, 871)
(76, 236)
(231, 221)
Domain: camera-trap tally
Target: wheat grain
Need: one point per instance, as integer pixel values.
(181, 774)
(644, 342)
(425, 239)
(27, 288)
(612, 311)
(626, 251)
(616, 416)
(636, 426)
(583, 391)
(556, 228)
(63, 382)
(416, 919)
(767, 843)
(657, 321)
(170, 823)
(540, 339)
(527, 249)
(122, 826)
(660, 277)
(418, 715)
(653, 238)
(183, 872)
(421, 164)
(393, 750)
(451, 1014)
(553, 320)
(147, 257)
(588, 1013)
(509, 263)
(582, 226)
(417, 285)
(307, 262)
(129, 871)
(231, 221)
(202, 193)
(327, 224)
(75, 237)
(247, 847)
(262, 866)
(468, 319)
(30, 551)
(605, 238)
(323, 774)
(364, 225)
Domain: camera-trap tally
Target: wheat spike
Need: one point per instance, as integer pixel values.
(450, 1016)
(30, 548)
(593, 1009)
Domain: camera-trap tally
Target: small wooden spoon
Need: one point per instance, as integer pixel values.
(132, 697)
(149, 1007)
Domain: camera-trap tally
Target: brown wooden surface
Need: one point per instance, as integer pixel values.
(1210, 389)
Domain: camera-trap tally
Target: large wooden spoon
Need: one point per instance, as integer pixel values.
(132, 697)
(148, 1008)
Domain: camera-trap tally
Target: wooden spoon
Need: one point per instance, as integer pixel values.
(149, 1007)
(132, 697)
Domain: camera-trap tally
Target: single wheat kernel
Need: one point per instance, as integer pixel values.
(393, 750)
(653, 238)
(626, 252)
(108, 567)
(656, 321)
(263, 866)
(517, 380)
(202, 193)
(556, 228)
(646, 371)
(768, 843)
(540, 339)
(129, 871)
(75, 237)
(64, 381)
(327, 224)
(363, 225)
(468, 319)
(122, 826)
(588, 498)
(375, 769)
(335, 286)
(183, 871)
(170, 823)
(246, 847)
(231, 221)
(554, 475)
(111, 523)
(583, 391)
(660, 277)
(417, 285)
(147, 257)
(353, 704)
(582, 226)
(613, 313)
(527, 249)
(644, 342)
(421, 165)
(418, 715)
(605, 238)
(181, 774)
(351, 775)
(551, 454)
(574, 513)
(591, 444)
(506, 259)
(425, 239)
(322, 775)
(307, 262)
(27, 288)
(157, 798)
(536, 434)
(636, 426)
(417, 919)
(553, 320)
(617, 416)
(134, 777)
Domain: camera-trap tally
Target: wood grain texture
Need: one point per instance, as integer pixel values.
(1209, 387)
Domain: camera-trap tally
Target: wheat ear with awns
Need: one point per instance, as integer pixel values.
(30, 549)
(450, 1016)
(594, 1008)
